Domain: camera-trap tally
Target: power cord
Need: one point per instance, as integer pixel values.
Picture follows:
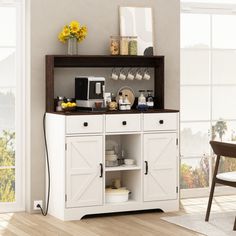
(45, 212)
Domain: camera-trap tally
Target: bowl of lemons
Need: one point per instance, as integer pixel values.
(68, 106)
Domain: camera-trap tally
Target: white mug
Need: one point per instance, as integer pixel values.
(130, 76)
(114, 76)
(138, 76)
(146, 76)
(122, 76)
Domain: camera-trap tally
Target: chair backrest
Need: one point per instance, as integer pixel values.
(224, 149)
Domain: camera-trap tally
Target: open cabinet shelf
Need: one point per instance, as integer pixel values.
(121, 168)
(130, 201)
(130, 145)
(130, 179)
(103, 61)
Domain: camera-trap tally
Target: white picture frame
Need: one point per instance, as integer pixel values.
(138, 21)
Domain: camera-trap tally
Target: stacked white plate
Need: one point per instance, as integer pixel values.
(110, 152)
(111, 158)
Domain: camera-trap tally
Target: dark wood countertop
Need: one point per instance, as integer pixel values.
(101, 112)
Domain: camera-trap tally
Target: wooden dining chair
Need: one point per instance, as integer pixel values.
(226, 178)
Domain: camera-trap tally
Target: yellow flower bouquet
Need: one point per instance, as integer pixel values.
(73, 30)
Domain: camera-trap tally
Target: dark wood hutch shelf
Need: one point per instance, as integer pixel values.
(113, 112)
(67, 61)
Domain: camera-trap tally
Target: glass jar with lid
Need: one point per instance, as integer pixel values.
(150, 99)
(133, 45)
(124, 45)
(141, 98)
(59, 101)
(115, 45)
(127, 103)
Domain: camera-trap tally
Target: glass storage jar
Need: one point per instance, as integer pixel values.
(150, 99)
(114, 45)
(124, 45)
(133, 45)
(59, 101)
(141, 98)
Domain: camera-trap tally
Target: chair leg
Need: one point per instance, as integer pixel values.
(234, 224)
(210, 200)
(212, 188)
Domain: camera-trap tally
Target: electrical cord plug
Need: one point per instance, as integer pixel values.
(42, 211)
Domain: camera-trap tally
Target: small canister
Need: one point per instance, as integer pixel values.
(114, 45)
(128, 106)
(122, 107)
(124, 45)
(60, 100)
(116, 183)
(133, 46)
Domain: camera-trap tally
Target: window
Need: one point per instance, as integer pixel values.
(208, 92)
(11, 105)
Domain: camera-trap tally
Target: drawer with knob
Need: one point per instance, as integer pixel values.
(84, 124)
(160, 121)
(123, 123)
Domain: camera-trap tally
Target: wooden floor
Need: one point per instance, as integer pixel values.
(145, 224)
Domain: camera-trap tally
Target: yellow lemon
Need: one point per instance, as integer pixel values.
(63, 105)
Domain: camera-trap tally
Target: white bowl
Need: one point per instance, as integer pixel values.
(116, 195)
(129, 161)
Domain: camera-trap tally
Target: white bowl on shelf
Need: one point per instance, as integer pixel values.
(129, 162)
(116, 195)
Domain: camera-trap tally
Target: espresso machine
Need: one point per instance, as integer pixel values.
(88, 90)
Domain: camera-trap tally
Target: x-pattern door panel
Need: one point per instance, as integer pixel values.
(160, 156)
(83, 181)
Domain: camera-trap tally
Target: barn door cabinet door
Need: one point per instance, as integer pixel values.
(160, 167)
(84, 177)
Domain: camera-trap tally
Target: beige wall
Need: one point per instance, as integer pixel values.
(102, 20)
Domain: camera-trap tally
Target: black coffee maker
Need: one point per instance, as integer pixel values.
(88, 90)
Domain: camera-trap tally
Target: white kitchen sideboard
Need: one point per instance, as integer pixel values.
(77, 144)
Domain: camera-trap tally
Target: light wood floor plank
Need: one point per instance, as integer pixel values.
(69, 227)
(143, 224)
